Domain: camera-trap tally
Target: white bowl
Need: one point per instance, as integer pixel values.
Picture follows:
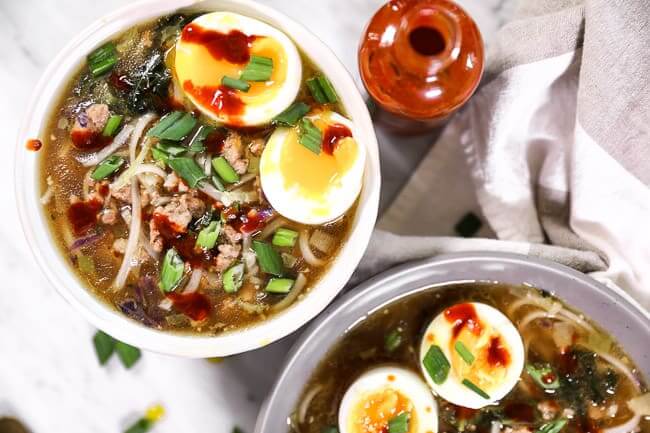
(60, 274)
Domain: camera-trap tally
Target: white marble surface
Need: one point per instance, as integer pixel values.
(49, 376)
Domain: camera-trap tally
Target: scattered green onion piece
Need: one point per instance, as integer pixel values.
(86, 264)
(207, 237)
(112, 125)
(284, 238)
(471, 385)
(107, 167)
(328, 89)
(279, 285)
(233, 278)
(269, 259)
(393, 340)
(234, 83)
(291, 115)
(171, 148)
(217, 183)
(104, 346)
(129, 355)
(102, 59)
(180, 129)
(188, 169)
(464, 352)
(225, 170)
(316, 91)
(172, 271)
(310, 136)
(541, 373)
(261, 60)
(400, 423)
(196, 142)
(142, 425)
(436, 364)
(553, 427)
(258, 69)
(159, 155)
(164, 123)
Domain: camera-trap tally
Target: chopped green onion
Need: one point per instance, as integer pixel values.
(258, 69)
(217, 183)
(553, 427)
(129, 355)
(164, 123)
(234, 83)
(468, 383)
(188, 169)
(179, 129)
(269, 259)
(142, 425)
(159, 155)
(400, 423)
(279, 285)
(86, 264)
(102, 59)
(464, 352)
(172, 271)
(207, 237)
(393, 340)
(171, 148)
(104, 346)
(543, 375)
(284, 238)
(196, 142)
(310, 136)
(316, 91)
(328, 89)
(225, 170)
(291, 115)
(112, 125)
(233, 278)
(436, 364)
(107, 167)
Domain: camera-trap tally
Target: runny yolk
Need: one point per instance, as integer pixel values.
(373, 412)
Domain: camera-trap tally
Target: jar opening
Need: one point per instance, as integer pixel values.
(427, 41)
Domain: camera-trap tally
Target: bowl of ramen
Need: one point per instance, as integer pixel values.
(492, 343)
(197, 178)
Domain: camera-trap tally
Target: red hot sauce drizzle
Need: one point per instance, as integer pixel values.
(83, 215)
(497, 355)
(86, 139)
(34, 145)
(332, 135)
(463, 315)
(234, 46)
(183, 242)
(219, 99)
(194, 305)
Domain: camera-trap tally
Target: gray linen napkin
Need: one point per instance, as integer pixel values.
(553, 152)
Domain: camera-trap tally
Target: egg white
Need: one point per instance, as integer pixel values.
(407, 383)
(453, 390)
(289, 202)
(263, 113)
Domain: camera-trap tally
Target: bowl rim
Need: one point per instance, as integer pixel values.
(431, 274)
(73, 290)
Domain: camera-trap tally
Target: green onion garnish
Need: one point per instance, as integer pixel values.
(207, 237)
(129, 355)
(233, 278)
(284, 238)
(468, 383)
(269, 259)
(436, 364)
(322, 90)
(553, 426)
(464, 352)
(279, 285)
(188, 169)
(143, 425)
(393, 340)
(104, 346)
(543, 375)
(310, 136)
(400, 423)
(159, 155)
(217, 183)
(164, 123)
(258, 69)
(174, 126)
(234, 83)
(172, 271)
(102, 59)
(225, 170)
(291, 115)
(112, 125)
(171, 148)
(196, 142)
(107, 167)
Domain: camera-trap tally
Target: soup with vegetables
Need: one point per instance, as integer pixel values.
(199, 172)
(475, 358)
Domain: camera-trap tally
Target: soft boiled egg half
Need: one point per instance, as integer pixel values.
(313, 187)
(384, 397)
(472, 355)
(223, 44)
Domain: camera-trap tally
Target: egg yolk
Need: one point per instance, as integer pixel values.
(374, 411)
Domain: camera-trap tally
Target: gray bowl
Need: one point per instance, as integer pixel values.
(612, 309)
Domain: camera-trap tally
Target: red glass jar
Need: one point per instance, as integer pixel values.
(420, 61)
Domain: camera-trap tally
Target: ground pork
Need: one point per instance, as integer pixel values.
(119, 246)
(256, 146)
(233, 151)
(179, 216)
(91, 120)
(232, 235)
(227, 255)
(122, 194)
